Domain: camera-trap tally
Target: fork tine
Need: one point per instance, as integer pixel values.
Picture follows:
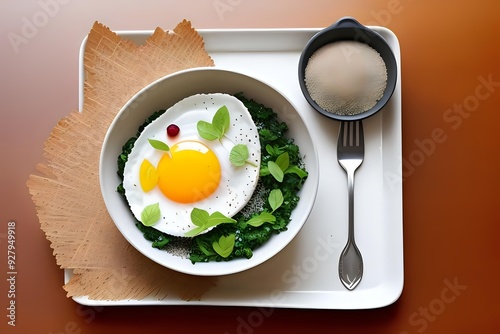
(355, 134)
(361, 138)
(353, 137)
(350, 135)
(342, 134)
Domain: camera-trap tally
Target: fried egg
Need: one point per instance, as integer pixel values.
(194, 172)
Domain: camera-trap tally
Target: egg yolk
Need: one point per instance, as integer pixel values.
(190, 173)
(148, 176)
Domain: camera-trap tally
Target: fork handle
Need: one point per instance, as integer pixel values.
(350, 168)
(351, 260)
(350, 198)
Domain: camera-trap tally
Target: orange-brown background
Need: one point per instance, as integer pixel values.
(451, 201)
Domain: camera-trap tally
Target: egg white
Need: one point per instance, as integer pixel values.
(237, 184)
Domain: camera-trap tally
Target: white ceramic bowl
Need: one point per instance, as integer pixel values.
(164, 93)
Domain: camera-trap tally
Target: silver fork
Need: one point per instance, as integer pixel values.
(350, 154)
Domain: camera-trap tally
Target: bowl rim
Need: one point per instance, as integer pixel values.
(364, 35)
(313, 178)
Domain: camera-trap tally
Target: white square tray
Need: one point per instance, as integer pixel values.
(304, 274)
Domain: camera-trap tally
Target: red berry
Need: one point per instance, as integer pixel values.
(172, 130)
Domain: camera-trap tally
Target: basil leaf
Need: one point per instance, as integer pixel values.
(207, 131)
(150, 214)
(199, 217)
(275, 199)
(239, 155)
(159, 145)
(275, 170)
(203, 220)
(296, 170)
(283, 161)
(263, 217)
(270, 150)
(217, 218)
(224, 247)
(220, 121)
(194, 232)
